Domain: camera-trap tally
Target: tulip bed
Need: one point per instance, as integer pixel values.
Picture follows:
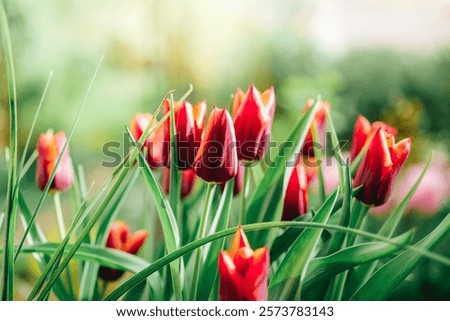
(238, 217)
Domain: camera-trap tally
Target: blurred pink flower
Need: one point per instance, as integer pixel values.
(330, 171)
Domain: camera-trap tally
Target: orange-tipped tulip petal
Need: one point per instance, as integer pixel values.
(49, 148)
(188, 130)
(379, 168)
(243, 272)
(119, 238)
(154, 146)
(216, 160)
(320, 121)
(363, 132)
(252, 116)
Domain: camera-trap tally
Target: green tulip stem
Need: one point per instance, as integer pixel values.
(62, 234)
(59, 215)
(201, 234)
(244, 193)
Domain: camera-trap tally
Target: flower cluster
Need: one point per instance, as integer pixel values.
(220, 150)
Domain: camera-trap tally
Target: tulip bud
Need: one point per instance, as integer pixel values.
(296, 198)
(363, 131)
(154, 147)
(243, 272)
(187, 181)
(119, 238)
(188, 130)
(253, 115)
(49, 148)
(216, 160)
(320, 119)
(379, 167)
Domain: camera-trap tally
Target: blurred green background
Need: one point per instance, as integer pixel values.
(385, 59)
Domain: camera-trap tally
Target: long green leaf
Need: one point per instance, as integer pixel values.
(285, 154)
(13, 187)
(167, 259)
(391, 274)
(326, 267)
(292, 270)
(107, 257)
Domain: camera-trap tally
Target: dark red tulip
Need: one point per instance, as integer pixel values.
(49, 148)
(320, 119)
(363, 131)
(243, 272)
(296, 198)
(380, 166)
(154, 146)
(188, 130)
(187, 181)
(253, 115)
(216, 160)
(119, 238)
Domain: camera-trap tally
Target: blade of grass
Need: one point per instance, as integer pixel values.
(290, 274)
(175, 184)
(389, 276)
(167, 259)
(33, 124)
(95, 254)
(319, 158)
(336, 147)
(12, 188)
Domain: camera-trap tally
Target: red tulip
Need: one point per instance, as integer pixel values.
(188, 130)
(320, 120)
(216, 160)
(49, 148)
(380, 166)
(119, 238)
(252, 116)
(155, 147)
(296, 198)
(243, 272)
(363, 131)
(187, 181)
